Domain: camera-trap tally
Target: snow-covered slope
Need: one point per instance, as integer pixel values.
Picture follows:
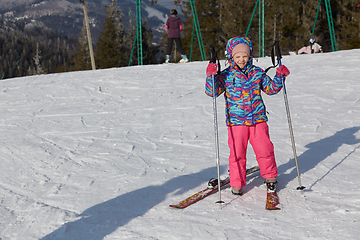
(101, 154)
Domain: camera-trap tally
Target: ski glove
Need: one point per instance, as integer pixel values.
(282, 70)
(211, 69)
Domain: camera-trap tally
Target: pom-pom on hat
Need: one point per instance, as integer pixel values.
(232, 46)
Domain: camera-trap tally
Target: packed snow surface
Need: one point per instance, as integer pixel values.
(101, 154)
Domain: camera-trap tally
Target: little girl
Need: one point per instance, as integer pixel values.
(242, 83)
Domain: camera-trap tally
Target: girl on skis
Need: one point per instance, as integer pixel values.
(242, 83)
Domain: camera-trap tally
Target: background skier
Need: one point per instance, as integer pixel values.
(174, 26)
(313, 48)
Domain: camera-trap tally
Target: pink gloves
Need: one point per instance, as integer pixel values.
(282, 70)
(211, 69)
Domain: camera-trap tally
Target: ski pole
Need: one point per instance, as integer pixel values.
(213, 60)
(278, 55)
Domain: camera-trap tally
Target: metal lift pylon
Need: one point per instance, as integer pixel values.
(330, 22)
(261, 4)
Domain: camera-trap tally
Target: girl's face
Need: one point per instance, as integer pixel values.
(241, 59)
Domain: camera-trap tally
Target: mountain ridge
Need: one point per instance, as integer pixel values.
(66, 16)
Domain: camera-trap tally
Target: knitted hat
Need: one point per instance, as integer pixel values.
(173, 11)
(234, 42)
(241, 48)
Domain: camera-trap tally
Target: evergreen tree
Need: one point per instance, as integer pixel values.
(290, 21)
(208, 16)
(111, 46)
(130, 39)
(287, 21)
(347, 24)
(19, 46)
(150, 51)
(37, 61)
(82, 60)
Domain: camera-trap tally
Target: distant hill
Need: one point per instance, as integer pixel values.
(66, 16)
(27, 50)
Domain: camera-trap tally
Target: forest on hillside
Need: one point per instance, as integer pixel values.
(29, 49)
(290, 21)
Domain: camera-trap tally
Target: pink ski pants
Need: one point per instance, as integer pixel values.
(259, 138)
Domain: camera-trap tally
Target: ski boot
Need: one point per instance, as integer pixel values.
(271, 185)
(236, 191)
(212, 183)
(184, 59)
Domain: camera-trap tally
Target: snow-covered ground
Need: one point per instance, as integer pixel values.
(101, 154)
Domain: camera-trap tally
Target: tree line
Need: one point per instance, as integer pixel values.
(289, 21)
(116, 47)
(27, 50)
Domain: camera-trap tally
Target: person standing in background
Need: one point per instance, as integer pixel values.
(174, 26)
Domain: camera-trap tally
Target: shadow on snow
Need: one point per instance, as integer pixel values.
(319, 151)
(104, 218)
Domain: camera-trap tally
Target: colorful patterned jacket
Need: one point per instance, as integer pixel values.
(242, 89)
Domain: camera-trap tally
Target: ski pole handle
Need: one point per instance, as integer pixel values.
(212, 54)
(278, 51)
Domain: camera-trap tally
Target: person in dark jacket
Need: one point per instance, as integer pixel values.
(174, 26)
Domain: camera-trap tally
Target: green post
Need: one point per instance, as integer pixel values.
(252, 16)
(330, 22)
(317, 14)
(198, 31)
(262, 28)
(331, 25)
(132, 51)
(192, 41)
(139, 32)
